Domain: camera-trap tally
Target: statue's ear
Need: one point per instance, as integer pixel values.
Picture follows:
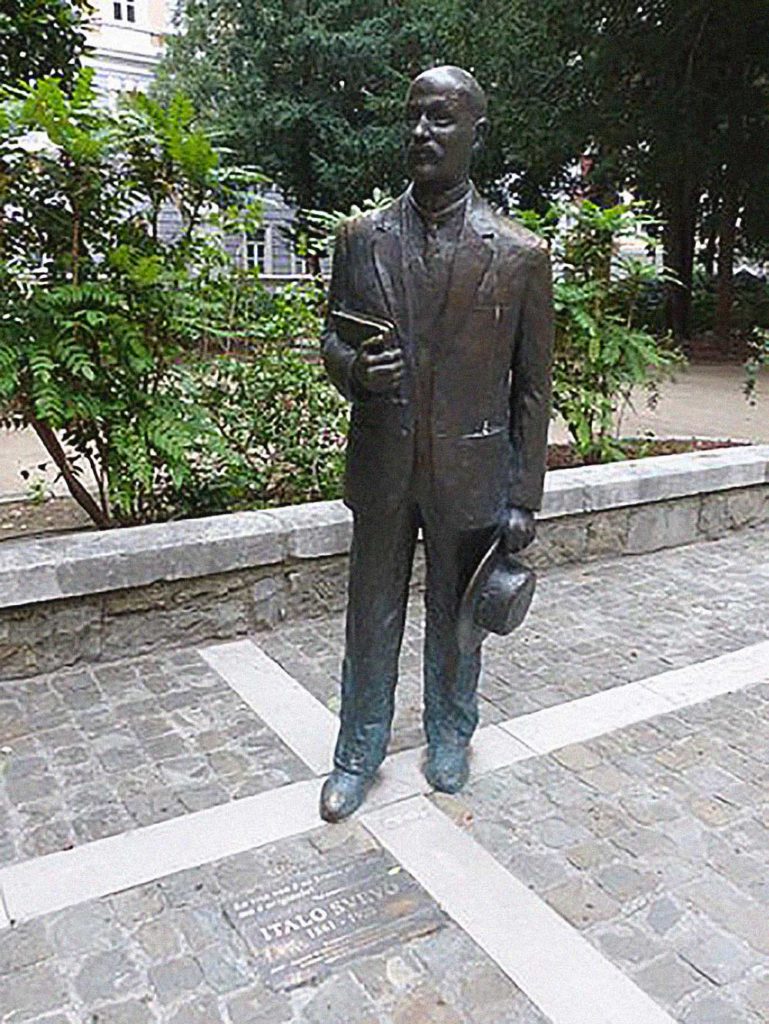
(481, 134)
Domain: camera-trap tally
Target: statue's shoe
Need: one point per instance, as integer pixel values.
(342, 794)
(447, 767)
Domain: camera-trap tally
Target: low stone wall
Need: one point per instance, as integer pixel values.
(101, 596)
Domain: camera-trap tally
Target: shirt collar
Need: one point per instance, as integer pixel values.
(445, 213)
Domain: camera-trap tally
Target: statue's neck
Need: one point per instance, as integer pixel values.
(433, 201)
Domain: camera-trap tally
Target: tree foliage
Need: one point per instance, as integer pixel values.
(530, 56)
(311, 91)
(671, 97)
(40, 37)
(693, 85)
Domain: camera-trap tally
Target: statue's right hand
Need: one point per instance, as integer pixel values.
(378, 366)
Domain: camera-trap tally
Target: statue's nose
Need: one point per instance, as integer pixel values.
(420, 130)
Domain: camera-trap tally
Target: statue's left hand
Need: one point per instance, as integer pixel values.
(519, 530)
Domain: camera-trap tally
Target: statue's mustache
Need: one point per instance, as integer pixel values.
(421, 150)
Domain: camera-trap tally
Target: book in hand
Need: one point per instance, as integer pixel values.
(355, 329)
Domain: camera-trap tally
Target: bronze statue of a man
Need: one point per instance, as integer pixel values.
(448, 432)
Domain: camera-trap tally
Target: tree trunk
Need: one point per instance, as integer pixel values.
(727, 235)
(81, 495)
(679, 257)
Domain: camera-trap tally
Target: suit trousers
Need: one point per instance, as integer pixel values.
(380, 568)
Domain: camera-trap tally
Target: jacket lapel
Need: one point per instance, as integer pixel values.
(387, 253)
(471, 264)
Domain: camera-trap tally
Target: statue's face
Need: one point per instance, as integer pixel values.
(442, 131)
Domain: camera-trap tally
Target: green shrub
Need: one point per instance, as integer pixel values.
(278, 432)
(602, 351)
(161, 365)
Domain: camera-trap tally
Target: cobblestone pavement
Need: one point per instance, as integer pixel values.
(590, 627)
(165, 953)
(652, 842)
(91, 753)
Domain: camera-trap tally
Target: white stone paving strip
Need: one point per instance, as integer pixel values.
(548, 959)
(583, 719)
(58, 880)
(588, 717)
(106, 866)
(290, 710)
(708, 679)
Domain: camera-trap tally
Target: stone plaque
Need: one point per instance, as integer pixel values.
(311, 922)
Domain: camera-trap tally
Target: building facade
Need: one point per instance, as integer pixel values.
(126, 40)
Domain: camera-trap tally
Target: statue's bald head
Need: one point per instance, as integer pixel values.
(446, 121)
(457, 82)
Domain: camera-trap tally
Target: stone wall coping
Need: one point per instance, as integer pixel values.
(660, 478)
(74, 565)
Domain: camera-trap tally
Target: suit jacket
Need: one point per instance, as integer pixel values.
(490, 366)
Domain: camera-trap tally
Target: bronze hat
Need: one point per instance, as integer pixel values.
(496, 600)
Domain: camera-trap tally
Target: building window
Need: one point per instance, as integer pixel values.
(124, 10)
(299, 266)
(256, 253)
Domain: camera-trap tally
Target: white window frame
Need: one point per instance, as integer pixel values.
(250, 250)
